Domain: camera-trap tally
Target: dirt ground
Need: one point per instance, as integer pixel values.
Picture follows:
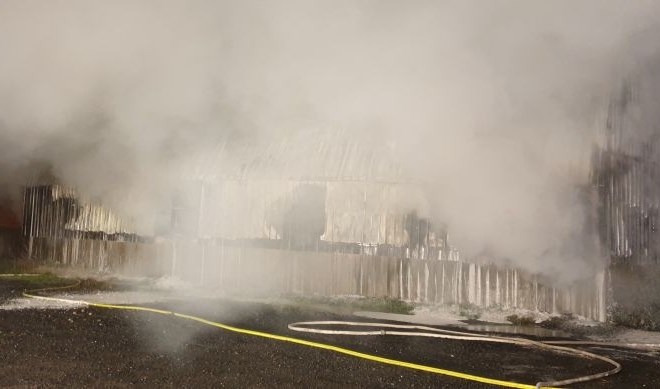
(96, 347)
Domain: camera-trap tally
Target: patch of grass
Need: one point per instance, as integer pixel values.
(558, 322)
(349, 305)
(17, 266)
(470, 311)
(521, 320)
(42, 280)
(642, 317)
(387, 304)
(97, 285)
(33, 281)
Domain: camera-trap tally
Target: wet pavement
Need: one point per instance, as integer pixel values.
(84, 346)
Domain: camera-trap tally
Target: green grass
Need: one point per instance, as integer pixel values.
(47, 280)
(386, 304)
(350, 305)
(642, 317)
(17, 266)
(98, 285)
(521, 320)
(470, 311)
(43, 280)
(558, 322)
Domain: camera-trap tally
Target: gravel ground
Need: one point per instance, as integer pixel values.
(95, 347)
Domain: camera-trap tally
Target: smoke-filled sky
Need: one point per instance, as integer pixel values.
(491, 105)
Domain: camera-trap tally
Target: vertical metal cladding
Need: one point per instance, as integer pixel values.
(624, 171)
(53, 211)
(63, 230)
(625, 175)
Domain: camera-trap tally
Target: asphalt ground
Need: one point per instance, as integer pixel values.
(96, 347)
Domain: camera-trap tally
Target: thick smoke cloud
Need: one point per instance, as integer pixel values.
(491, 105)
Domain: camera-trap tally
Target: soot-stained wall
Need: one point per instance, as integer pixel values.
(627, 179)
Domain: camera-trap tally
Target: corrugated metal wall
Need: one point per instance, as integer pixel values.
(627, 178)
(628, 181)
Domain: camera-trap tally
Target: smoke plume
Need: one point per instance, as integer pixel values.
(491, 106)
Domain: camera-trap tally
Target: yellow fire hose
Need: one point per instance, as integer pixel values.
(434, 332)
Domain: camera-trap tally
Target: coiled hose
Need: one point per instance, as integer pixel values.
(395, 329)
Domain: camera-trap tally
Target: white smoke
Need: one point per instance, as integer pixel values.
(491, 105)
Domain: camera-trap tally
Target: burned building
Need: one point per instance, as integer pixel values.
(311, 192)
(322, 214)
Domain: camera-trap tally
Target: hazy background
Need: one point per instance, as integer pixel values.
(491, 105)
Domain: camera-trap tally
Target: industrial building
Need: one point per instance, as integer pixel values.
(343, 223)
